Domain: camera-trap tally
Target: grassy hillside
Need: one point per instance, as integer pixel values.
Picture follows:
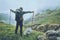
(50, 18)
(47, 17)
(7, 33)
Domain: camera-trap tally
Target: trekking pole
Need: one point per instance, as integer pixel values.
(33, 19)
(10, 18)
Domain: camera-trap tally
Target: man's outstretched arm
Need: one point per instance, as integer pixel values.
(28, 12)
(13, 11)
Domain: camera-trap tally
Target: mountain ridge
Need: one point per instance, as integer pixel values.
(47, 17)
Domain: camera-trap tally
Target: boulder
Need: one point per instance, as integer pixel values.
(28, 31)
(34, 27)
(40, 37)
(53, 27)
(51, 35)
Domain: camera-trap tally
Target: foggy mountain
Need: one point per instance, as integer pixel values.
(5, 18)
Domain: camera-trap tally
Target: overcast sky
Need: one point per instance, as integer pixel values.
(28, 5)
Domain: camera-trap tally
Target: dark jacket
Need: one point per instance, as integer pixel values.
(19, 15)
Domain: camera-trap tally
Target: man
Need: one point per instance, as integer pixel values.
(19, 18)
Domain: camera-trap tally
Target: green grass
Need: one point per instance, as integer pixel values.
(51, 17)
(7, 33)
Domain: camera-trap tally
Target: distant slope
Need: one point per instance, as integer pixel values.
(3, 16)
(47, 17)
(6, 18)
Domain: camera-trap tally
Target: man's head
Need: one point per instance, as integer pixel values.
(20, 9)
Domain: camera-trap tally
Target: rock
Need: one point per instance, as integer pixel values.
(58, 32)
(28, 31)
(45, 27)
(40, 28)
(53, 27)
(51, 35)
(40, 37)
(34, 27)
(58, 38)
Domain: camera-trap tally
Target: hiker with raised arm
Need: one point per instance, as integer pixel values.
(19, 18)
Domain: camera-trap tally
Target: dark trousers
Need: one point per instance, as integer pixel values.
(19, 23)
